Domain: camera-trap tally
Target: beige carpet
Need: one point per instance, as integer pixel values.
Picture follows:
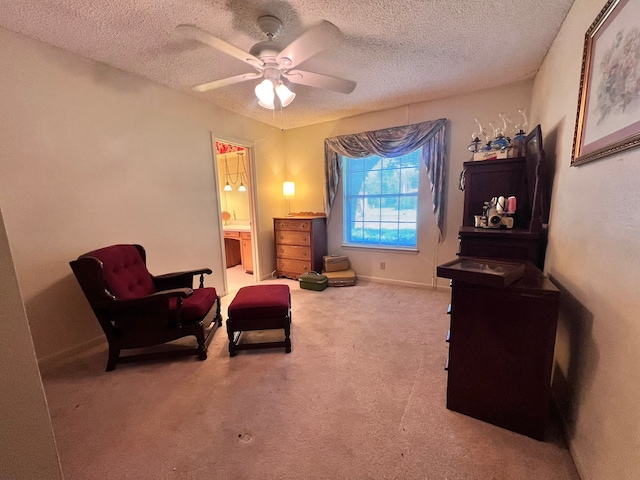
(361, 396)
(237, 278)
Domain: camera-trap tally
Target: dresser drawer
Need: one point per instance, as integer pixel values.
(297, 267)
(294, 252)
(293, 238)
(295, 225)
(228, 234)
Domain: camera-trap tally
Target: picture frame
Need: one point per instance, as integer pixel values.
(608, 118)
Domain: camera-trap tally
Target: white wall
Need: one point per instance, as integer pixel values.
(92, 156)
(28, 446)
(594, 240)
(305, 165)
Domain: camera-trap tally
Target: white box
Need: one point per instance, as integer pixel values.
(491, 155)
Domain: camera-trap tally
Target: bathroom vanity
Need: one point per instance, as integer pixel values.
(237, 246)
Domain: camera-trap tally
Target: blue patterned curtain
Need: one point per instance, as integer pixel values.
(392, 142)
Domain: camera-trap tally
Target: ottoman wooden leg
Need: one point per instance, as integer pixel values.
(287, 337)
(232, 339)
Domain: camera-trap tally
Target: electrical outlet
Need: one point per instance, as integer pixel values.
(382, 266)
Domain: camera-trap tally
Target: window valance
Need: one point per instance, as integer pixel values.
(392, 142)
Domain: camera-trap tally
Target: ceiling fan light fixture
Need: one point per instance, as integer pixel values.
(269, 106)
(285, 95)
(272, 62)
(266, 96)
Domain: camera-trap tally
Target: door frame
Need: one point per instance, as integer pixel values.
(253, 203)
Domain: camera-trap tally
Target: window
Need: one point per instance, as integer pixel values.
(381, 200)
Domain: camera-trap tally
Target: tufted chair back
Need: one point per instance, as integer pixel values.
(125, 271)
(137, 310)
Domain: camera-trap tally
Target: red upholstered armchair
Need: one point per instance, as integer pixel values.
(136, 309)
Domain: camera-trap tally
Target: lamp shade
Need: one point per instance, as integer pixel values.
(266, 96)
(285, 95)
(288, 190)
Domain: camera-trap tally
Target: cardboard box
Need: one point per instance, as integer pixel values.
(491, 155)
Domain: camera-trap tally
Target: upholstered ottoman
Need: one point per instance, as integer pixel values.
(259, 307)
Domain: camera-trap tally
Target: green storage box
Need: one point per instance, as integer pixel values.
(313, 281)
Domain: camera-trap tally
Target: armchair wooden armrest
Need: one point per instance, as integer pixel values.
(180, 279)
(154, 297)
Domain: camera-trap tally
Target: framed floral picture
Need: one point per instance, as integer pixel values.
(608, 119)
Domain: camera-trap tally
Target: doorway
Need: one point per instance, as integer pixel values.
(236, 191)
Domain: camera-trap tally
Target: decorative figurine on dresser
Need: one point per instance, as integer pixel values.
(506, 205)
(301, 244)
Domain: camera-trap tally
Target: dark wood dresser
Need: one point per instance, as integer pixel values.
(301, 242)
(489, 178)
(512, 244)
(501, 344)
(524, 178)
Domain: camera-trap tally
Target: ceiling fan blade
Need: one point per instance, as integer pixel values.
(319, 37)
(226, 81)
(320, 81)
(195, 33)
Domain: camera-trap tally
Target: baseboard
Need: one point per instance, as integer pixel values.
(403, 283)
(57, 358)
(564, 429)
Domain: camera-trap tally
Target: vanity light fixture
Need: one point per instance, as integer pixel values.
(243, 174)
(227, 177)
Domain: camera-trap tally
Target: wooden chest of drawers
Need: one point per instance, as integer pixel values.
(301, 242)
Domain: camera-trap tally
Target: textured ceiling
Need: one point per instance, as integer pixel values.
(398, 52)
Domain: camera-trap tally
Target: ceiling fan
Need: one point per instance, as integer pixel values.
(274, 63)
